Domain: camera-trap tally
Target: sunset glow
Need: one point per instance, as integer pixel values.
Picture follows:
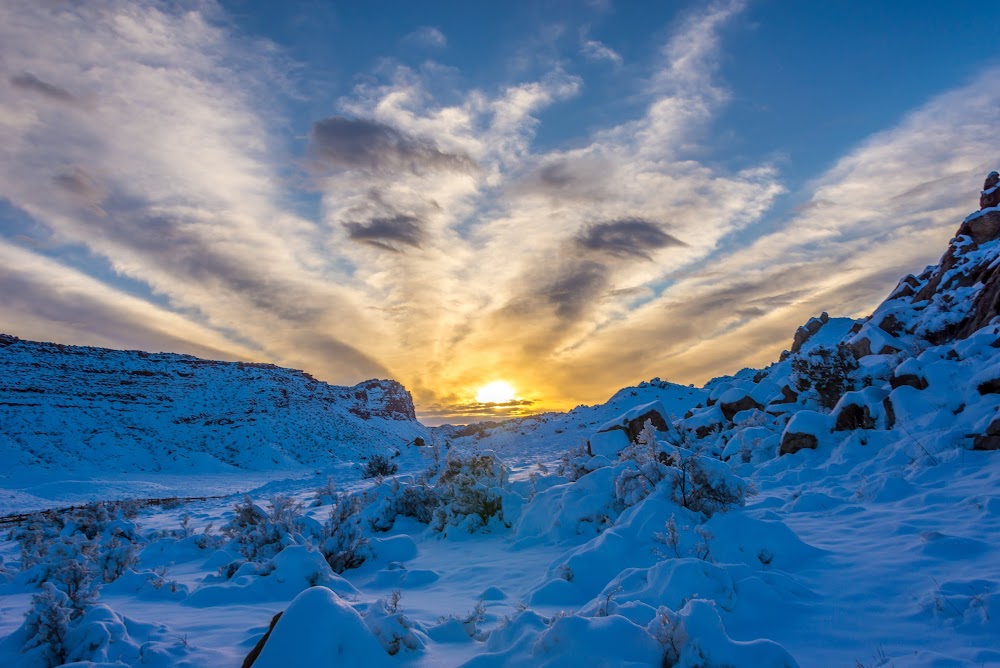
(497, 392)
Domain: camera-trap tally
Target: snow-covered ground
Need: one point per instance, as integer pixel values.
(836, 508)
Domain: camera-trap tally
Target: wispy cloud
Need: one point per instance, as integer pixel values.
(596, 50)
(427, 36)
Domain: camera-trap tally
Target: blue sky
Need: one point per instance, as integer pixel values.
(569, 196)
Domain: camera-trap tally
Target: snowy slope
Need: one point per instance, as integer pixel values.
(81, 411)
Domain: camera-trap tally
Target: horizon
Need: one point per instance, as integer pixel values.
(568, 198)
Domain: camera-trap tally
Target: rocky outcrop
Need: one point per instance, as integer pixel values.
(990, 196)
(806, 331)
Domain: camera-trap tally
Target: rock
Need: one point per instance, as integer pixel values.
(803, 431)
(633, 421)
(792, 443)
(981, 228)
(854, 416)
(788, 396)
(890, 413)
(862, 347)
(909, 380)
(255, 652)
(991, 386)
(891, 325)
(991, 194)
(731, 408)
(806, 331)
(990, 440)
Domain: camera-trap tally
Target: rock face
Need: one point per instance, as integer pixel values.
(806, 331)
(991, 194)
(131, 410)
(990, 440)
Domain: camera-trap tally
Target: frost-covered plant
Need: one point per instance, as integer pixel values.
(667, 630)
(670, 538)
(470, 490)
(474, 618)
(390, 626)
(325, 493)
(343, 544)
(47, 623)
(647, 467)
(115, 557)
(261, 534)
(379, 466)
(704, 484)
(573, 463)
(825, 373)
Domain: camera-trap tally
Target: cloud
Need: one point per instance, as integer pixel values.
(595, 50)
(427, 36)
(627, 237)
(29, 82)
(386, 232)
(353, 143)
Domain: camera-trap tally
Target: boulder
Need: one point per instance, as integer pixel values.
(990, 439)
(633, 421)
(806, 331)
(792, 443)
(991, 194)
(981, 227)
(862, 409)
(734, 401)
(804, 431)
(854, 416)
(255, 652)
(908, 379)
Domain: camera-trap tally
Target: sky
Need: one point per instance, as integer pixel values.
(570, 197)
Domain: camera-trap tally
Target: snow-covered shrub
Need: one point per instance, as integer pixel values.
(392, 628)
(344, 544)
(573, 463)
(47, 623)
(260, 534)
(704, 484)
(115, 557)
(326, 493)
(379, 466)
(647, 467)
(418, 500)
(470, 490)
(825, 373)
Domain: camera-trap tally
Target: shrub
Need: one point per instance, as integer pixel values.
(344, 545)
(704, 484)
(47, 623)
(261, 534)
(379, 466)
(470, 490)
(648, 466)
(825, 372)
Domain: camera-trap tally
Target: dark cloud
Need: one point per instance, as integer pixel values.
(388, 232)
(583, 179)
(29, 82)
(577, 287)
(354, 143)
(627, 237)
(80, 183)
(557, 175)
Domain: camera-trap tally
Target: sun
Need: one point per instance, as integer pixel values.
(497, 392)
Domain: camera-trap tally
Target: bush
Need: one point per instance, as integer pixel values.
(470, 490)
(704, 484)
(344, 545)
(826, 373)
(379, 466)
(47, 623)
(648, 466)
(261, 534)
